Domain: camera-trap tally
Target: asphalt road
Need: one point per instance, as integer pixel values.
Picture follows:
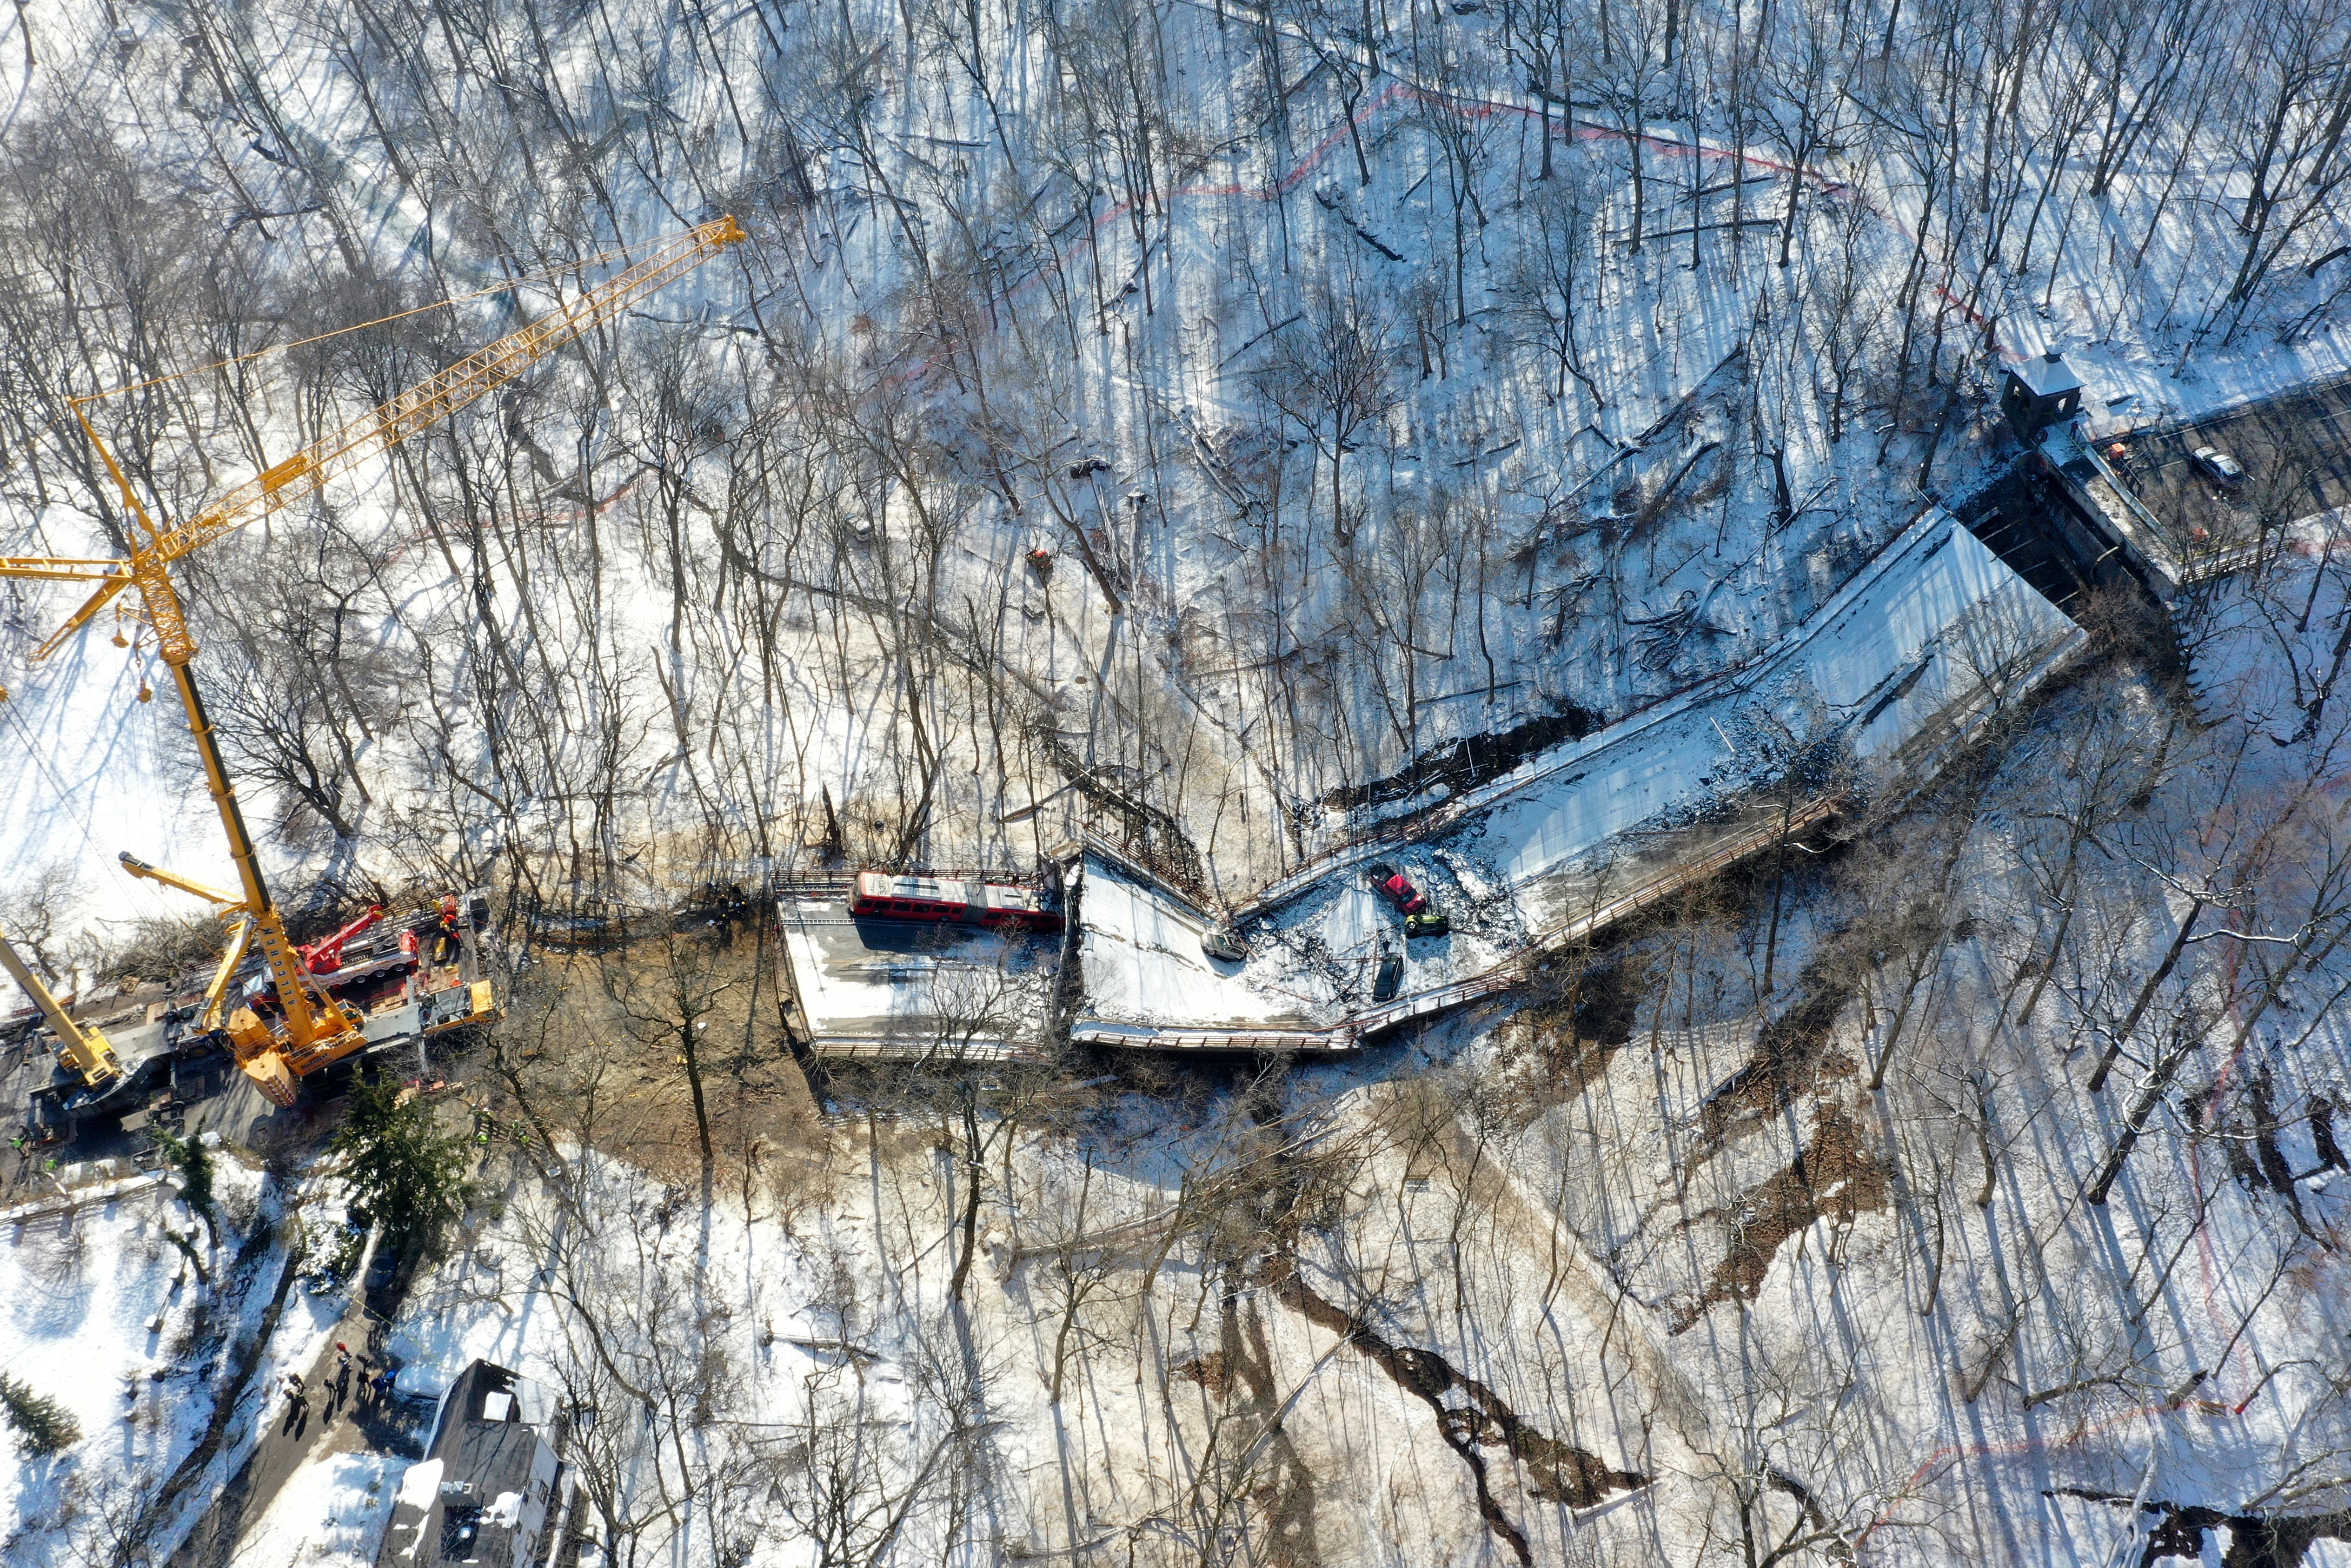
(2297, 452)
(323, 1423)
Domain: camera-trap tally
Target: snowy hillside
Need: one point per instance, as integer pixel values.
(1362, 398)
(1507, 443)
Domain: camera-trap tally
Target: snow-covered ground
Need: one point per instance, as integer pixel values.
(751, 576)
(1222, 630)
(99, 1310)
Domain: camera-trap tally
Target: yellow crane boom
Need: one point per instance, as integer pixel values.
(369, 436)
(317, 1029)
(83, 1049)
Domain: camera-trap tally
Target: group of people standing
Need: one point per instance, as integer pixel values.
(378, 1385)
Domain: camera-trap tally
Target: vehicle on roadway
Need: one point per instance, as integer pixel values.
(1224, 942)
(2221, 468)
(1397, 889)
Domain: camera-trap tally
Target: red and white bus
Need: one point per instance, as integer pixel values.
(881, 897)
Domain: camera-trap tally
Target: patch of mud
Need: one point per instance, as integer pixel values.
(1833, 1177)
(2248, 1128)
(1207, 1371)
(1572, 1036)
(1285, 1527)
(1792, 1055)
(2268, 1157)
(2322, 1133)
(1471, 1417)
(2255, 1540)
(1605, 1003)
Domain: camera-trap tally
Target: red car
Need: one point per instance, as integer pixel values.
(1398, 890)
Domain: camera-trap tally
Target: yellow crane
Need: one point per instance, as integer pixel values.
(79, 1047)
(316, 1029)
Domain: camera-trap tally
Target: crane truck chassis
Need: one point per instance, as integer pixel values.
(389, 978)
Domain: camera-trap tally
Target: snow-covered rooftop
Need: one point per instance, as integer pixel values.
(2046, 375)
(482, 1494)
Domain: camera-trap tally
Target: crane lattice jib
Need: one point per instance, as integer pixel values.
(371, 435)
(436, 397)
(316, 1028)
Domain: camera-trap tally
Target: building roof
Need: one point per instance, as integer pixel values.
(480, 1494)
(2046, 375)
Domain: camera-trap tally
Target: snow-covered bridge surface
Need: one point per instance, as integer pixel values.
(905, 989)
(1140, 946)
(1903, 662)
(1907, 658)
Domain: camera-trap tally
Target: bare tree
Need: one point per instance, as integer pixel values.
(35, 912)
(1547, 288)
(1333, 376)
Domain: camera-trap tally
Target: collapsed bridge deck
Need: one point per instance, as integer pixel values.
(1875, 689)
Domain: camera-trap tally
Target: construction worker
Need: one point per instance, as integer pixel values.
(445, 931)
